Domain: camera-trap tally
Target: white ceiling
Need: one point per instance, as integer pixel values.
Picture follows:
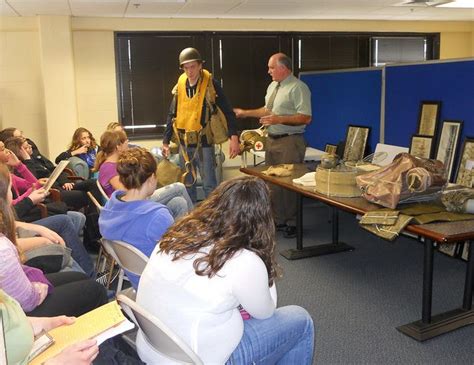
(259, 9)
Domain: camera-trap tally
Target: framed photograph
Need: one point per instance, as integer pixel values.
(331, 148)
(448, 144)
(421, 146)
(466, 163)
(428, 117)
(356, 141)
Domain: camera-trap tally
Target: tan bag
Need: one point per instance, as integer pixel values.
(402, 179)
(216, 129)
(168, 173)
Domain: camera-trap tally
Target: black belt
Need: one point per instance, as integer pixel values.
(277, 136)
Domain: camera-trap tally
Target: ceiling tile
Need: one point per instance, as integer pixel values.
(6, 10)
(153, 10)
(40, 7)
(96, 8)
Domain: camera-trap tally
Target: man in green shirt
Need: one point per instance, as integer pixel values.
(286, 114)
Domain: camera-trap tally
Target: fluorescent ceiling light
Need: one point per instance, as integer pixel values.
(458, 4)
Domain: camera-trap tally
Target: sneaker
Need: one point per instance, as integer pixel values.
(290, 232)
(102, 277)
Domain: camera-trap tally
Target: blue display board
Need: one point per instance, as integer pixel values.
(341, 98)
(452, 83)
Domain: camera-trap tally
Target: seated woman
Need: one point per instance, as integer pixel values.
(70, 194)
(217, 258)
(112, 143)
(70, 293)
(81, 152)
(128, 216)
(19, 331)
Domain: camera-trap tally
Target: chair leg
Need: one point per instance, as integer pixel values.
(111, 267)
(120, 281)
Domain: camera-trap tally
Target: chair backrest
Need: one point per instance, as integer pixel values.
(157, 334)
(95, 201)
(127, 256)
(101, 190)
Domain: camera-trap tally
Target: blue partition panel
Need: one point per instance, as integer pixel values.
(343, 98)
(452, 83)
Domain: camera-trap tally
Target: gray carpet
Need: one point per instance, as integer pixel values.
(357, 298)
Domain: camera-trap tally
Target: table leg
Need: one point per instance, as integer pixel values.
(432, 326)
(318, 250)
(467, 302)
(427, 282)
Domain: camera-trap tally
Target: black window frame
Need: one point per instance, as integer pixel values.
(355, 45)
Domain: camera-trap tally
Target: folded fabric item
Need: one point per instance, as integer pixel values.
(49, 258)
(442, 217)
(279, 170)
(389, 232)
(307, 179)
(424, 208)
(382, 216)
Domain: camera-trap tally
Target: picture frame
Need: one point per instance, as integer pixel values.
(421, 146)
(330, 148)
(447, 145)
(356, 142)
(428, 118)
(464, 173)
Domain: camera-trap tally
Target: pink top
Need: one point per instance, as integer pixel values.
(23, 186)
(13, 279)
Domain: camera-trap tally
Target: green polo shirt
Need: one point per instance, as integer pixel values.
(293, 97)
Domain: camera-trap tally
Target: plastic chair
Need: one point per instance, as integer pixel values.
(101, 190)
(95, 201)
(127, 256)
(157, 334)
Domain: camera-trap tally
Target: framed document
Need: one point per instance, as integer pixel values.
(356, 141)
(421, 146)
(330, 148)
(466, 162)
(448, 144)
(428, 117)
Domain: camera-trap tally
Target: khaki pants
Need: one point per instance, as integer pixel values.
(290, 149)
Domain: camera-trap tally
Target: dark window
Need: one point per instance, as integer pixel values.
(147, 66)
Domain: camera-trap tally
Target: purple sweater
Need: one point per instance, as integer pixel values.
(13, 279)
(107, 171)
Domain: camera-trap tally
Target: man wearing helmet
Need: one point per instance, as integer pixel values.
(189, 113)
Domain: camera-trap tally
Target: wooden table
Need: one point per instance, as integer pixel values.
(449, 232)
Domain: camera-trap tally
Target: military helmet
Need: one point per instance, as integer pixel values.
(189, 55)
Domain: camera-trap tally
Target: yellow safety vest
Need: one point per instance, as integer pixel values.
(189, 110)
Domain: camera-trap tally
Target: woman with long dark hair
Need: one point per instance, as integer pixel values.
(81, 153)
(213, 261)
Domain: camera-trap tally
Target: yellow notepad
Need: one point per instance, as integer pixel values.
(87, 326)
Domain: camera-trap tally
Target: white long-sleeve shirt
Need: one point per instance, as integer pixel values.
(203, 311)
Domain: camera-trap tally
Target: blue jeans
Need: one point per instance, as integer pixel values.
(205, 163)
(175, 197)
(78, 220)
(286, 338)
(63, 225)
